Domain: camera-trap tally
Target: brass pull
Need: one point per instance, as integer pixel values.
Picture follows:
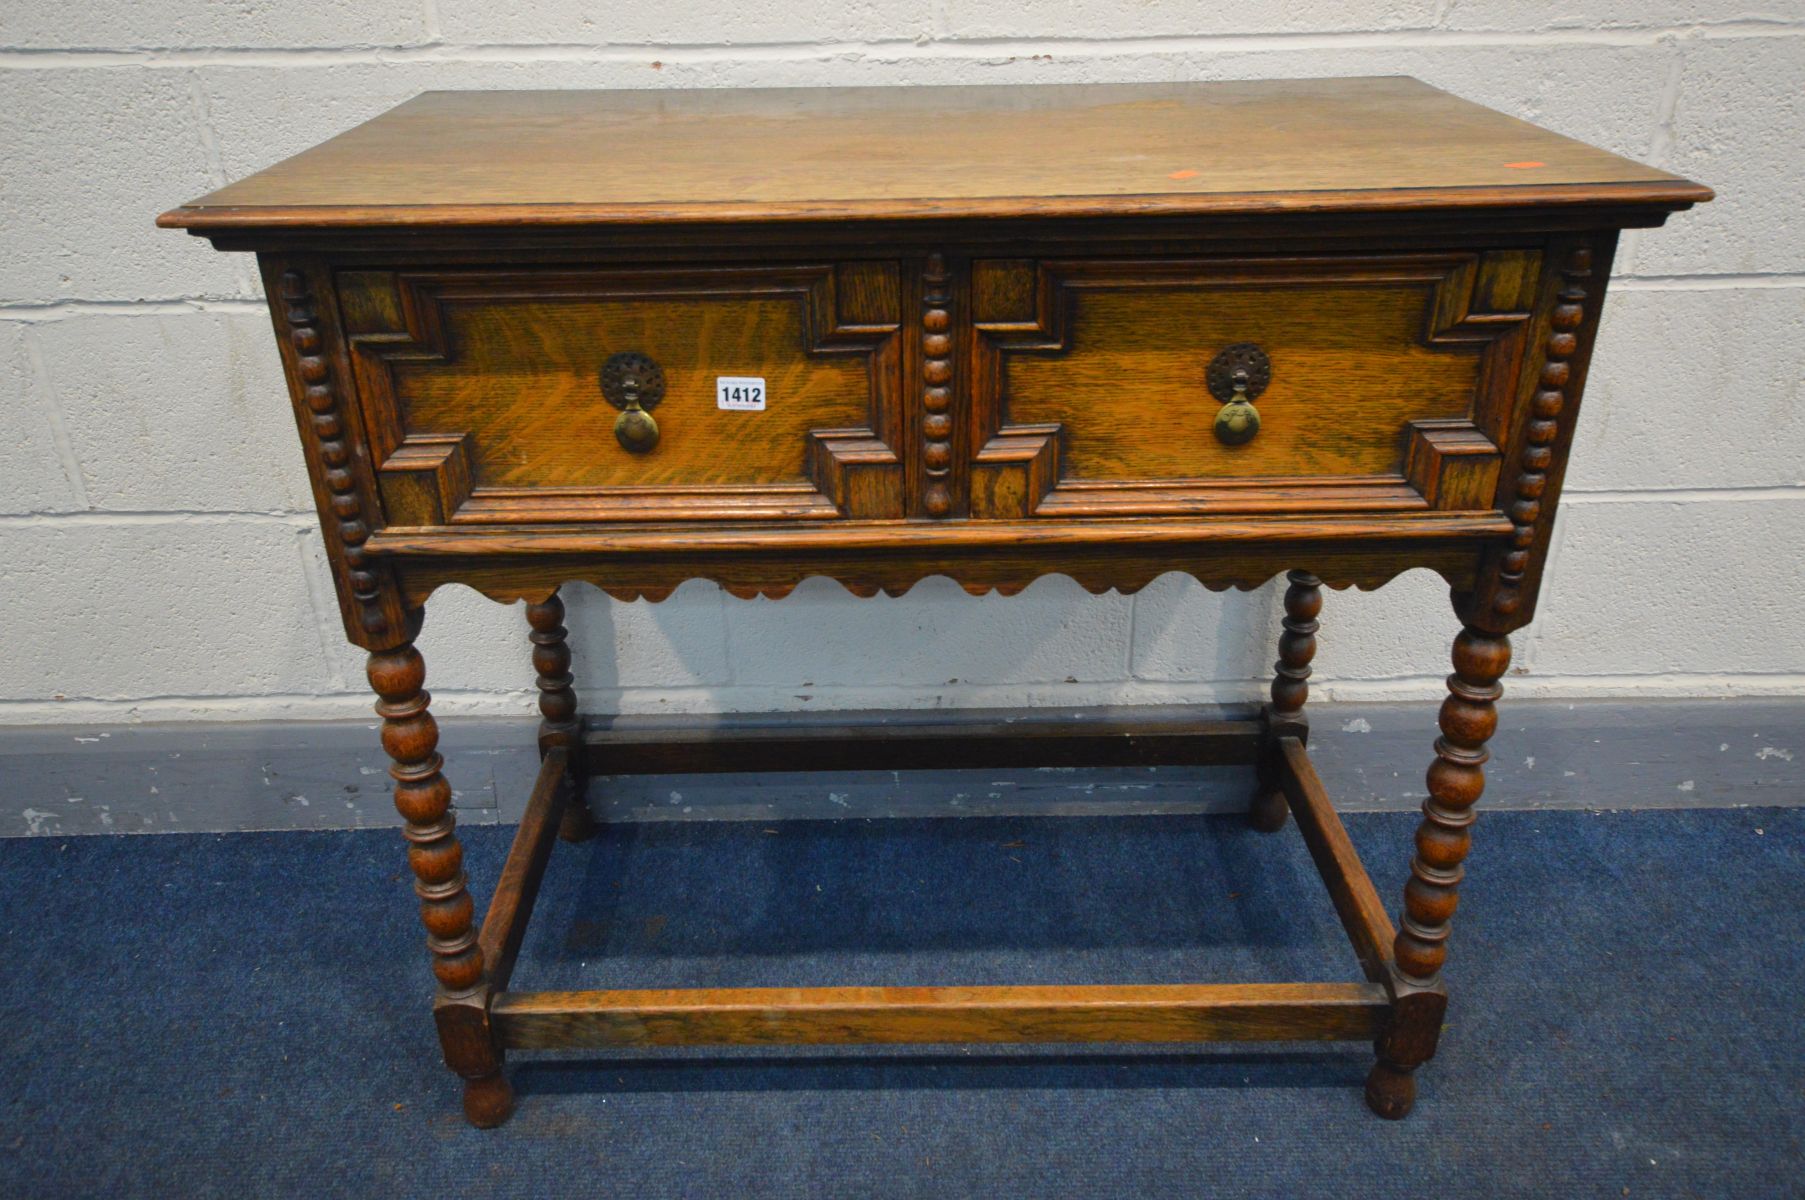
(1236, 376)
(1238, 420)
(635, 429)
(633, 383)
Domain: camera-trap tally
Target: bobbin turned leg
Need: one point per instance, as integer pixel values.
(560, 726)
(423, 797)
(1456, 778)
(1284, 717)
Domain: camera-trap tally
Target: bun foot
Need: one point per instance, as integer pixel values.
(1269, 811)
(489, 1101)
(1390, 1093)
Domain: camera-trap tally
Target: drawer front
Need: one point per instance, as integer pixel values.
(1390, 383)
(485, 398)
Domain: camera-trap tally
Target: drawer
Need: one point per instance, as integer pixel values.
(1380, 382)
(484, 395)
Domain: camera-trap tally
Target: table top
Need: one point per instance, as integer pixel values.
(581, 157)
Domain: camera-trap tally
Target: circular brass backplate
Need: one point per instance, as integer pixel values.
(630, 364)
(1242, 356)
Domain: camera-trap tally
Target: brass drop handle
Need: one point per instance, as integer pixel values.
(633, 383)
(1238, 420)
(635, 429)
(1236, 377)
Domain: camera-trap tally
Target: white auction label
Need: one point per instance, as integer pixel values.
(739, 392)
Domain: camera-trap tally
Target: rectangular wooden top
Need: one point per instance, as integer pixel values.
(629, 157)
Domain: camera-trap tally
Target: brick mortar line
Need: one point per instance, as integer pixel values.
(448, 702)
(39, 311)
(1579, 498)
(1754, 282)
(45, 311)
(128, 517)
(305, 519)
(930, 47)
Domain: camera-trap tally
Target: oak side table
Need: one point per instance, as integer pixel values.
(1335, 328)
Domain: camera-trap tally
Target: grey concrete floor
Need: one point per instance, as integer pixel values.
(64, 780)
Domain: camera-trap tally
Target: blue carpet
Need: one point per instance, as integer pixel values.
(246, 1015)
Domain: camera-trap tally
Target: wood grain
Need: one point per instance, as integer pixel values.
(868, 558)
(1455, 780)
(504, 925)
(1356, 900)
(902, 536)
(826, 1016)
(510, 362)
(985, 315)
(422, 796)
(1349, 373)
(525, 387)
(1097, 568)
(1540, 440)
(488, 158)
(1091, 397)
(328, 418)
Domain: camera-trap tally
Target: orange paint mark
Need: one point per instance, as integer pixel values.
(1524, 166)
(1185, 174)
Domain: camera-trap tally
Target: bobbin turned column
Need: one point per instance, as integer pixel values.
(1456, 778)
(1284, 716)
(423, 798)
(560, 724)
(1502, 603)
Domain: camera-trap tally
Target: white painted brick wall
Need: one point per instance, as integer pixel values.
(151, 571)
